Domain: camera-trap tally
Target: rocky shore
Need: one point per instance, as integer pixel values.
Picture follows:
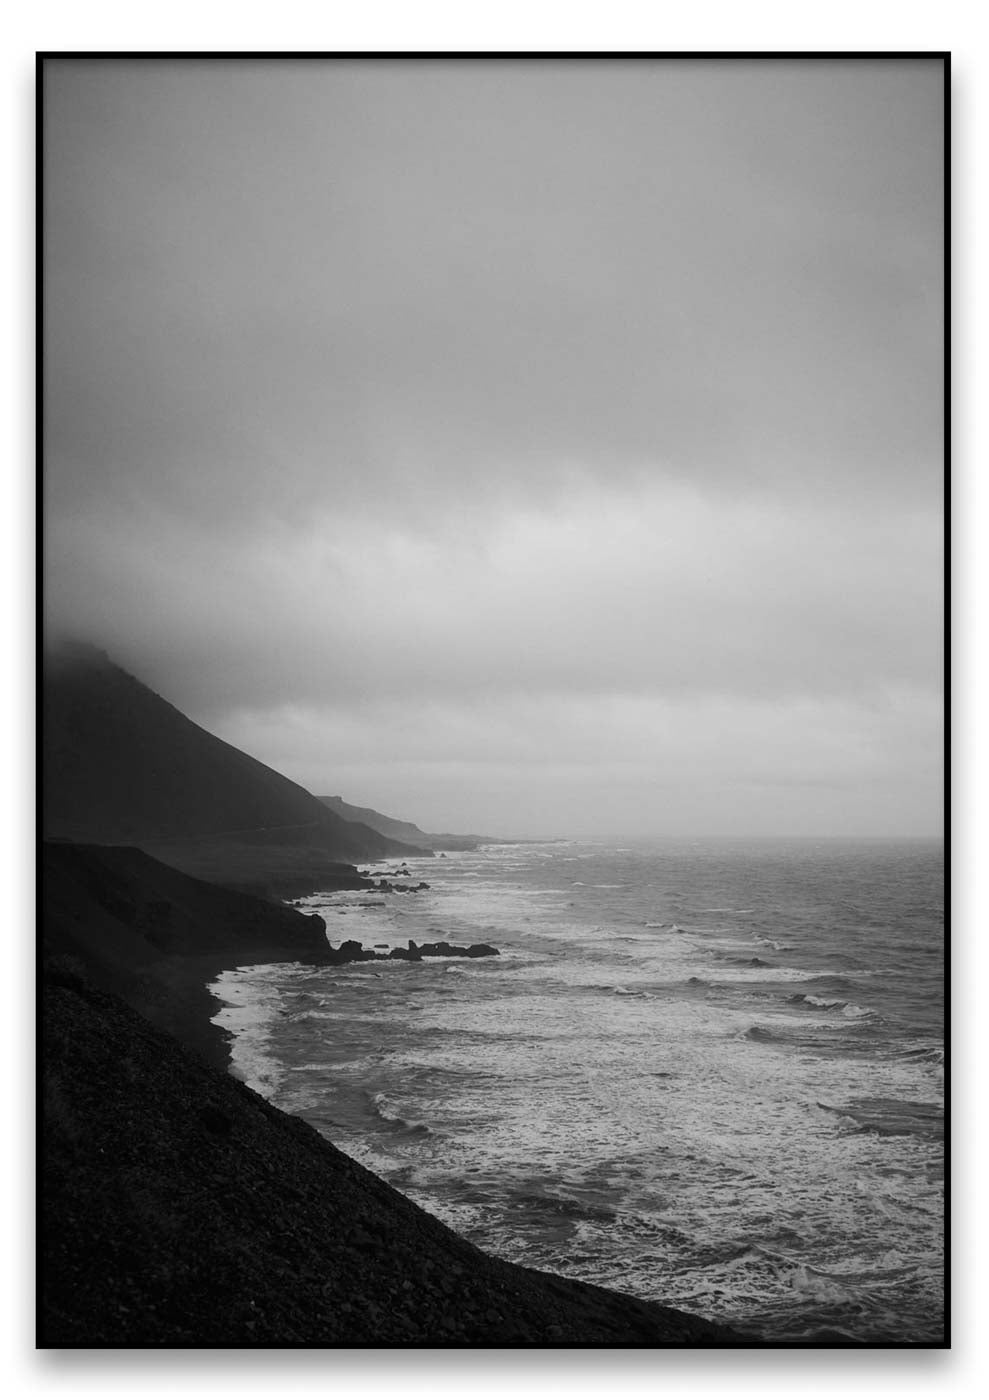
(155, 936)
(180, 1209)
(350, 951)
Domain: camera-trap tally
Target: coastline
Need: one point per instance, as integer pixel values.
(554, 1105)
(182, 1209)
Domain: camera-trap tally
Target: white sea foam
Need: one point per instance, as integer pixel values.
(589, 1059)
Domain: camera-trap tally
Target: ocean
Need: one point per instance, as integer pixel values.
(705, 1073)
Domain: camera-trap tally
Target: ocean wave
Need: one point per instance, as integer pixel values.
(931, 1054)
(749, 971)
(840, 1117)
(817, 1183)
(851, 1009)
(816, 1284)
(888, 1117)
(568, 1206)
(385, 1109)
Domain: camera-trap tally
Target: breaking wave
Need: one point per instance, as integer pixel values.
(384, 1107)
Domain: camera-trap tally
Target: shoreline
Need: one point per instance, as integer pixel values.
(173, 995)
(165, 1179)
(421, 1058)
(183, 1209)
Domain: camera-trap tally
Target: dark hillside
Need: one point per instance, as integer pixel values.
(122, 766)
(156, 937)
(377, 821)
(179, 1209)
(404, 831)
(270, 868)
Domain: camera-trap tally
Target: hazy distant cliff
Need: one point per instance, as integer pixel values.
(402, 831)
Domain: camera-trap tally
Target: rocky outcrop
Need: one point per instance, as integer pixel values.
(352, 951)
(453, 950)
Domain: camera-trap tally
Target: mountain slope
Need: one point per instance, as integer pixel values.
(123, 766)
(377, 821)
(402, 831)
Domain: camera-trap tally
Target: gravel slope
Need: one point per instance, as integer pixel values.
(179, 1209)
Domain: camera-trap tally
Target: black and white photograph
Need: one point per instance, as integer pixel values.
(491, 726)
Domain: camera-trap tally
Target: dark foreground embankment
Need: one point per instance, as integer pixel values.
(180, 1209)
(156, 937)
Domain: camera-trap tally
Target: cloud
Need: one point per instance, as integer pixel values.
(587, 765)
(447, 390)
(662, 591)
(273, 287)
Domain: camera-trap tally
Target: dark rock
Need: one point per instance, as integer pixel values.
(352, 951)
(216, 1121)
(405, 955)
(348, 952)
(456, 950)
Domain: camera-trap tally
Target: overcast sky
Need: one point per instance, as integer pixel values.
(524, 448)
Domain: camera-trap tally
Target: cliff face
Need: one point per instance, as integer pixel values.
(403, 831)
(180, 1209)
(377, 821)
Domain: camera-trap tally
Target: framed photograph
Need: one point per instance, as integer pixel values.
(492, 750)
